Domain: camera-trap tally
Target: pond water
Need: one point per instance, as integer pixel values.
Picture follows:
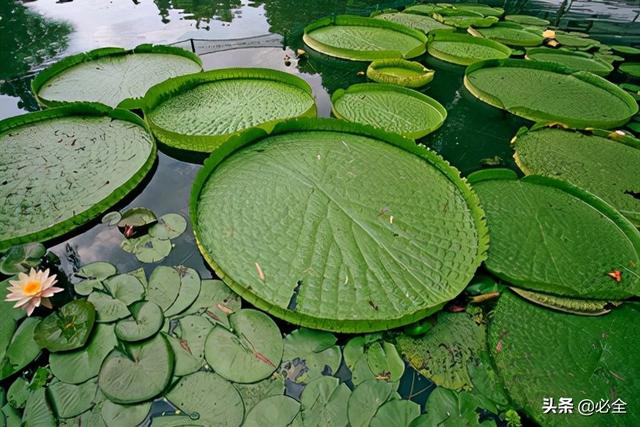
(36, 33)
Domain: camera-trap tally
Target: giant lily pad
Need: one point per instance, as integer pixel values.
(64, 166)
(201, 111)
(139, 372)
(112, 76)
(249, 352)
(21, 350)
(464, 49)
(335, 252)
(483, 9)
(412, 20)
(363, 39)
(527, 20)
(593, 358)
(400, 72)
(604, 163)
(552, 93)
(579, 61)
(464, 19)
(549, 236)
(208, 399)
(396, 109)
(67, 328)
(631, 68)
(509, 34)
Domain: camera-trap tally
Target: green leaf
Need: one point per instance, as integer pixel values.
(112, 76)
(549, 236)
(254, 393)
(448, 408)
(169, 226)
(309, 353)
(37, 412)
(115, 415)
(552, 93)
(189, 343)
(22, 348)
(21, 258)
(369, 281)
(464, 49)
(575, 157)
(70, 400)
(527, 20)
(386, 106)
(147, 321)
(108, 309)
(363, 39)
(324, 403)
(147, 249)
(397, 413)
(12, 416)
(215, 300)
(189, 290)
(112, 218)
(592, 356)
(18, 393)
(88, 155)
(137, 217)
(365, 400)
(93, 274)
(276, 410)
(579, 61)
(400, 72)
(510, 34)
(422, 23)
(125, 287)
(68, 328)
(140, 374)
(249, 352)
(445, 351)
(164, 286)
(194, 393)
(369, 357)
(78, 366)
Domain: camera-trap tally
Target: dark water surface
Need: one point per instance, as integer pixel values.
(36, 33)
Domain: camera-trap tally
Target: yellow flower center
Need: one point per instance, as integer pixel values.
(32, 287)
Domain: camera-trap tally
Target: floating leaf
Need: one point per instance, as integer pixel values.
(18, 393)
(22, 258)
(115, 415)
(577, 60)
(510, 34)
(249, 352)
(189, 290)
(164, 286)
(147, 249)
(147, 321)
(527, 20)
(365, 400)
(67, 328)
(112, 218)
(381, 105)
(278, 410)
(140, 374)
(209, 399)
(422, 23)
(215, 300)
(37, 412)
(363, 39)
(169, 226)
(125, 287)
(188, 344)
(21, 350)
(108, 309)
(448, 408)
(397, 413)
(464, 49)
(93, 274)
(324, 403)
(291, 275)
(369, 357)
(88, 155)
(308, 354)
(78, 366)
(400, 72)
(254, 393)
(138, 218)
(70, 400)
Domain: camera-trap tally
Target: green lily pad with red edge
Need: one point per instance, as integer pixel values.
(67, 328)
(146, 322)
(93, 275)
(249, 352)
(309, 353)
(22, 258)
(169, 226)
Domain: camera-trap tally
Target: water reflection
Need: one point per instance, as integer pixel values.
(201, 11)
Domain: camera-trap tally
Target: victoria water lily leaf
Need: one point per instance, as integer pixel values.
(169, 226)
(188, 344)
(291, 271)
(574, 157)
(465, 21)
(164, 286)
(140, 374)
(137, 217)
(147, 249)
(426, 9)
(390, 107)
(579, 61)
(575, 41)
(108, 309)
(509, 34)
(112, 76)
(18, 393)
(200, 112)
(625, 50)
(363, 39)
(552, 93)
(125, 287)
(396, 412)
(597, 361)
(67, 328)
(482, 9)
(87, 155)
(208, 399)
(415, 21)
(447, 408)
(22, 348)
(70, 400)
(254, 393)
(249, 352)
(115, 415)
(530, 221)
(527, 20)
(365, 400)
(147, 321)
(37, 412)
(92, 276)
(215, 300)
(400, 72)
(309, 354)
(189, 290)
(443, 354)
(22, 258)
(75, 367)
(464, 49)
(278, 411)
(324, 403)
(631, 68)
(585, 307)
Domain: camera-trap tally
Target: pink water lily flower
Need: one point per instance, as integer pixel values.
(32, 290)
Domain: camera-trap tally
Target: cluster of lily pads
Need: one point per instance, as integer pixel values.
(342, 226)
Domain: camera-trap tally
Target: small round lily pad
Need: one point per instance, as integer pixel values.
(278, 410)
(309, 353)
(188, 343)
(93, 275)
(147, 249)
(169, 226)
(67, 328)
(21, 258)
(189, 289)
(164, 286)
(115, 415)
(147, 321)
